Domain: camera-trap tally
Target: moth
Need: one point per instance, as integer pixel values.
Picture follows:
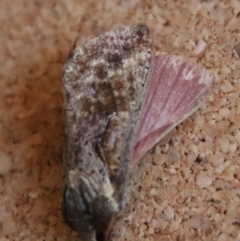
(119, 101)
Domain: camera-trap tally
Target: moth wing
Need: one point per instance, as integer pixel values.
(104, 86)
(177, 87)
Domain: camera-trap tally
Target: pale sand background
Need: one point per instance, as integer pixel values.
(187, 190)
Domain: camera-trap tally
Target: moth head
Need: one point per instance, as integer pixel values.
(86, 209)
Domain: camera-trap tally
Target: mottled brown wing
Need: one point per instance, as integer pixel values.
(104, 86)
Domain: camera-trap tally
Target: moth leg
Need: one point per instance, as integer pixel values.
(85, 184)
(86, 207)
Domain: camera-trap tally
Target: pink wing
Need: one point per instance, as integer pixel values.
(176, 89)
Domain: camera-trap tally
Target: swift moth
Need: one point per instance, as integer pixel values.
(119, 101)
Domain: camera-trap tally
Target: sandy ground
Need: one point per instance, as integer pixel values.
(187, 189)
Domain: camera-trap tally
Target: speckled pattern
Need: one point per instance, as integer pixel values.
(105, 83)
(187, 189)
